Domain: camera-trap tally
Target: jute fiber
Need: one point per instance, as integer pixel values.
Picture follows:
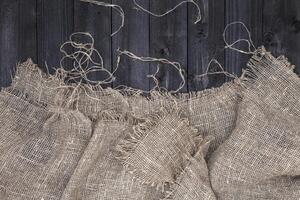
(68, 141)
(193, 182)
(260, 159)
(213, 112)
(41, 142)
(99, 175)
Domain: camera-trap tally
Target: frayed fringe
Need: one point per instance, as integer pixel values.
(34, 86)
(261, 65)
(51, 91)
(127, 147)
(270, 81)
(112, 115)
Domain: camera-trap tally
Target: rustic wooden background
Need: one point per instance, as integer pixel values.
(36, 29)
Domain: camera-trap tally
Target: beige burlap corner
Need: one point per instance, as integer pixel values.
(157, 150)
(260, 159)
(36, 86)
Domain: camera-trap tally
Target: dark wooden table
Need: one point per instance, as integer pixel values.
(37, 28)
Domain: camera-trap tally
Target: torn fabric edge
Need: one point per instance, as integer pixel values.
(263, 70)
(50, 91)
(46, 87)
(158, 163)
(270, 86)
(52, 84)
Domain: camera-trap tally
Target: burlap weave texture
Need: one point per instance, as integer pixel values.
(79, 142)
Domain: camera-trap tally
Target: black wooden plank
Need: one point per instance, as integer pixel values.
(282, 29)
(168, 39)
(54, 25)
(18, 35)
(95, 20)
(27, 47)
(250, 13)
(205, 42)
(9, 39)
(134, 37)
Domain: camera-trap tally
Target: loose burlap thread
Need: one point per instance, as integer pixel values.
(68, 141)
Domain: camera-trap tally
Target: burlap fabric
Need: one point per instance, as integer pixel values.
(31, 83)
(99, 175)
(213, 112)
(193, 183)
(260, 159)
(41, 140)
(68, 141)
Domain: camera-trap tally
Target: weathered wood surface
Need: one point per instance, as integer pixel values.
(134, 37)
(54, 24)
(97, 21)
(36, 29)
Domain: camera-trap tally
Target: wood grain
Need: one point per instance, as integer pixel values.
(281, 29)
(37, 28)
(17, 35)
(97, 21)
(205, 43)
(250, 13)
(168, 39)
(54, 25)
(134, 37)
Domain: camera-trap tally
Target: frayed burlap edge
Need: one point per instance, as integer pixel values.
(128, 145)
